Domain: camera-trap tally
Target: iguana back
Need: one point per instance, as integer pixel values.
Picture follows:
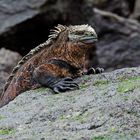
(53, 63)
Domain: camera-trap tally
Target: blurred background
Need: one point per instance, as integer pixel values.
(26, 23)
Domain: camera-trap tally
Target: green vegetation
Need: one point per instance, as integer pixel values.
(42, 89)
(113, 137)
(85, 85)
(86, 77)
(101, 82)
(129, 84)
(6, 131)
(2, 117)
(78, 117)
(101, 138)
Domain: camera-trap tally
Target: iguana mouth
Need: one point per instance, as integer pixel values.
(89, 39)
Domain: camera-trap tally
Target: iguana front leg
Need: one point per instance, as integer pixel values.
(54, 77)
(94, 71)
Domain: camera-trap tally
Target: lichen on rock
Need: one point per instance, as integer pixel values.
(106, 106)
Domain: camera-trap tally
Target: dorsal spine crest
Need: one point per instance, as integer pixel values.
(53, 35)
(24, 59)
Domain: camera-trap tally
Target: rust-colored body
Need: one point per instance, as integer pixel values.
(73, 53)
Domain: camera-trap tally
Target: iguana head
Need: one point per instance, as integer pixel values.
(82, 33)
(77, 33)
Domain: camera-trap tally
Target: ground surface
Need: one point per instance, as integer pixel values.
(107, 107)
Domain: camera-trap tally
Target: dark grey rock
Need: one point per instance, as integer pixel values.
(8, 60)
(119, 40)
(123, 8)
(24, 25)
(136, 13)
(15, 12)
(107, 106)
(3, 78)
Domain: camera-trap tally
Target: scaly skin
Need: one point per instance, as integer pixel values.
(53, 67)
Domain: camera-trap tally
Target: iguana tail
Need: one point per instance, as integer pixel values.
(16, 87)
(8, 95)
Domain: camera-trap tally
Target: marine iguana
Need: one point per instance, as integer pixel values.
(53, 64)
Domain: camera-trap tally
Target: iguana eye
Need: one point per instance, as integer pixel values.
(80, 33)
